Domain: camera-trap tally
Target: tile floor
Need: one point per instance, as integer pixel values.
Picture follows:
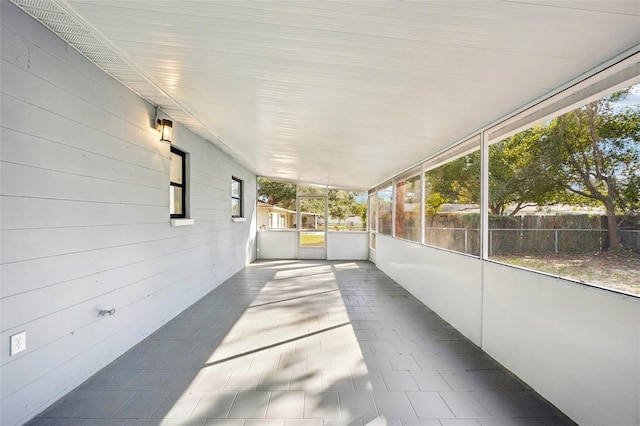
(305, 343)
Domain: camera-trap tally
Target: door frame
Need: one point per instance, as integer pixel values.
(305, 252)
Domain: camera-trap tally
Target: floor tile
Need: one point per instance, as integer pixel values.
(178, 405)
(422, 422)
(393, 405)
(429, 381)
(465, 422)
(398, 380)
(243, 380)
(274, 380)
(303, 422)
(111, 379)
(461, 380)
(224, 422)
(368, 381)
(286, 405)
(515, 404)
(357, 405)
(377, 362)
(142, 405)
(429, 405)
(465, 405)
(307, 380)
(497, 380)
(249, 405)
(105, 405)
(148, 380)
(304, 343)
(213, 405)
(264, 422)
(322, 405)
(336, 380)
(320, 362)
(211, 379)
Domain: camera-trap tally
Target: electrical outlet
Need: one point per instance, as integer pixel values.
(18, 342)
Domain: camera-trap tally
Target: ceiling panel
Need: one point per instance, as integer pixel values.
(345, 93)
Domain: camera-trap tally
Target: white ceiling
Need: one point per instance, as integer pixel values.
(343, 93)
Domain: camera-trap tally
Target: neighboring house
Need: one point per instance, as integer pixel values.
(272, 217)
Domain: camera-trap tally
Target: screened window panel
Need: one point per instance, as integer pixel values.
(384, 210)
(408, 204)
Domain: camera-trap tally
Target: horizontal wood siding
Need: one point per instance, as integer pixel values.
(85, 218)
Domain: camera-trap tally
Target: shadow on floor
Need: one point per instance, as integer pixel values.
(305, 343)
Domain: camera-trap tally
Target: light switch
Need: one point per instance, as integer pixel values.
(18, 342)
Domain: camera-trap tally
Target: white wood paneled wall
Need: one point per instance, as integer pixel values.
(85, 218)
(578, 346)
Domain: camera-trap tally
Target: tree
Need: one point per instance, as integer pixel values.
(594, 152)
(516, 176)
(360, 210)
(279, 194)
(342, 204)
(433, 202)
(457, 181)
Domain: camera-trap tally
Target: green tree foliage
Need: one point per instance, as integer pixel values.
(433, 202)
(590, 156)
(279, 194)
(342, 204)
(457, 181)
(594, 152)
(516, 178)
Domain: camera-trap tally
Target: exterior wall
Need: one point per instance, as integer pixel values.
(347, 245)
(85, 219)
(578, 346)
(340, 245)
(449, 283)
(277, 245)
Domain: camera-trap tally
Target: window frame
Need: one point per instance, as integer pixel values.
(183, 185)
(240, 196)
(401, 182)
(385, 189)
(618, 74)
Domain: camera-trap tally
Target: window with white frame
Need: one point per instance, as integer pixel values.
(347, 210)
(564, 193)
(385, 199)
(276, 205)
(408, 208)
(452, 204)
(555, 188)
(373, 218)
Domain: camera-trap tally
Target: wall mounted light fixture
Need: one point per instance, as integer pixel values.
(165, 127)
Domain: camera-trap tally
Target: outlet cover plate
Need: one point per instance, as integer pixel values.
(18, 342)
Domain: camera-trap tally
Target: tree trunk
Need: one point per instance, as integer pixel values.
(612, 226)
(400, 211)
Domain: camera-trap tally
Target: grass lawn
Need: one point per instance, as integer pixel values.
(312, 240)
(619, 271)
